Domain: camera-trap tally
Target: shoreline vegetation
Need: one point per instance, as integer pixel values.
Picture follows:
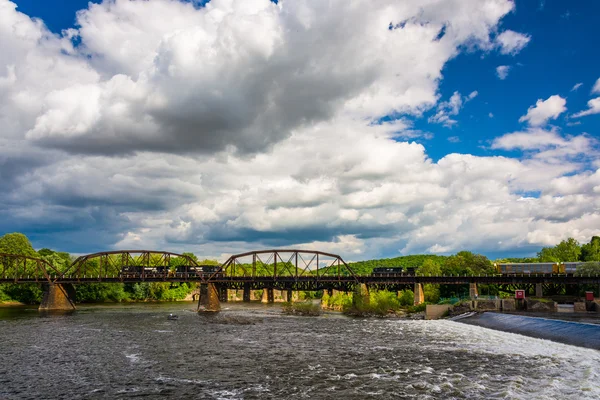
(376, 303)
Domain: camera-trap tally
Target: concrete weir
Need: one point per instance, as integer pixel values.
(57, 297)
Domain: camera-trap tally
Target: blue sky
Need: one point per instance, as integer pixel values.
(227, 128)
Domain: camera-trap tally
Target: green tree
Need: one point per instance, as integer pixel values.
(17, 243)
(430, 267)
(591, 250)
(467, 263)
(567, 250)
(59, 260)
(588, 269)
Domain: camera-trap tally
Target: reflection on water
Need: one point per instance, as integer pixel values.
(251, 351)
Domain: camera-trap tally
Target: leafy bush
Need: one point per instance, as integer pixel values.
(379, 303)
(418, 308)
(407, 298)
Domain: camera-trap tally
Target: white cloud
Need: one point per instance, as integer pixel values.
(502, 71)
(454, 139)
(449, 108)
(596, 88)
(593, 108)
(511, 42)
(491, 115)
(576, 86)
(218, 77)
(544, 110)
(246, 125)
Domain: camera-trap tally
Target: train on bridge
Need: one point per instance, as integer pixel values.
(184, 271)
(393, 271)
(555, 268)
(545, 268)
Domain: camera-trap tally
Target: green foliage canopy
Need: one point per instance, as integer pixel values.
(567, 250)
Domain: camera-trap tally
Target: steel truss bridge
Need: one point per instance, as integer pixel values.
(281, 269)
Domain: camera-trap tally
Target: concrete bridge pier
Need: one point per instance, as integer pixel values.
(247, 292)
(58, 297)
(268, 296)
(291, 296)
(360, 295)
(539, 290)
(473, 292)
(419, 294)
(209, 298)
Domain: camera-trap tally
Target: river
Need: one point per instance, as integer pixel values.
(253, 352)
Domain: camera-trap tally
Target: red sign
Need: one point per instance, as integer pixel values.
(589, 296)
(519, 294)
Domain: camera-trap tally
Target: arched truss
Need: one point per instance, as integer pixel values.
(285, 264)
(131, 264)
(18, 268)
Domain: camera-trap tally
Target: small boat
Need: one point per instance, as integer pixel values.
(173, 317)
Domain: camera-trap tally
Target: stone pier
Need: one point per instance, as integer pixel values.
(539, 290)
(473, 292)
(58, 297)
(360, 295)
(291, 296)
(419, 294)
(268, 296)
(209, 298)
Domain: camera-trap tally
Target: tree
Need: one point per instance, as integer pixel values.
(467, 263)
(588, 269)
(430, 268)
(59, 260)
(591, 250)
(16, 243)
(567, 250)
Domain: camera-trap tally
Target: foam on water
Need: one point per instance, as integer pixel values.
(108, 353)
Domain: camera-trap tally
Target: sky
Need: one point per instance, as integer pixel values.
(367, 129)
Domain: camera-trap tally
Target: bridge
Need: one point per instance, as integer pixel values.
(285, 270)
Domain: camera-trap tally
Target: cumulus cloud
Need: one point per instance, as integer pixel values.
(233, 74)
(449, 108)
(511, 42)
(544, 110)
(593, 108)
(502, 71)
(248, 124)
(596, 88)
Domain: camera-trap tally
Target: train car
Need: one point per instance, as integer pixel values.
(528, 268)
(393, 271)
(382, 271)
(570, 267)
(186, 270)
(135, 271)
(210, 270)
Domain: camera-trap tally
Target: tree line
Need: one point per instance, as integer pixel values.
(461, 263)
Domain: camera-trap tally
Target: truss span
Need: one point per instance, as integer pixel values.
(285, 264)
(132, 264)
(19, 268)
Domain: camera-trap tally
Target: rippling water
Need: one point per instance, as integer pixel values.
(133, 350)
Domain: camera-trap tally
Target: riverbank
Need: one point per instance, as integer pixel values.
(558, 328)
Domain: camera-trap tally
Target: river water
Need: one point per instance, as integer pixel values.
(252, 352)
